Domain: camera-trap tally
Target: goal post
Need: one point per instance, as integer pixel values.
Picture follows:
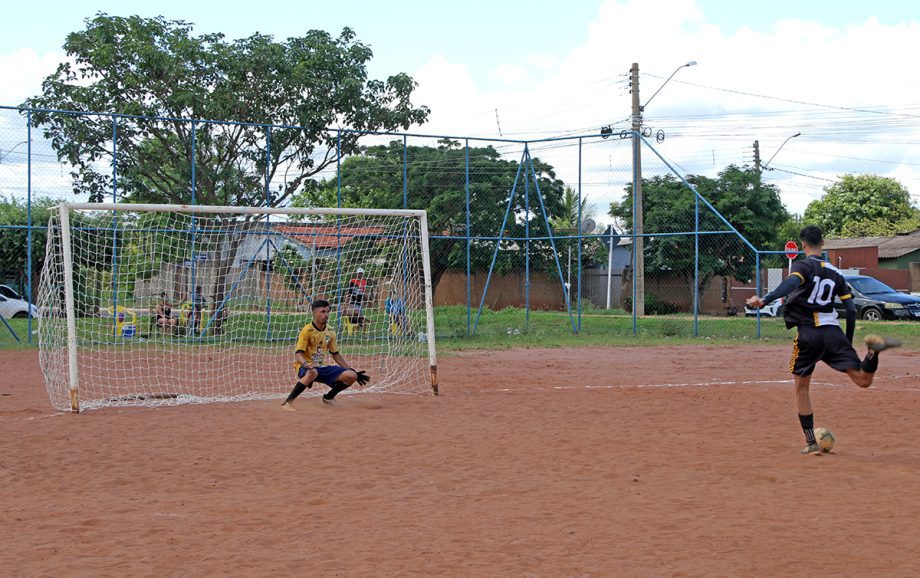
(145, 304)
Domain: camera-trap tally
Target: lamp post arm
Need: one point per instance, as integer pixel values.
(767, 164)
(691, 63)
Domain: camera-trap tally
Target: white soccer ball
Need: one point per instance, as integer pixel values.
(825, 439)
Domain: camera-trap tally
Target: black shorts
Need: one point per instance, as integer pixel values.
(828, 344)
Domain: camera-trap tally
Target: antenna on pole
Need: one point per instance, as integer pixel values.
(498, 124)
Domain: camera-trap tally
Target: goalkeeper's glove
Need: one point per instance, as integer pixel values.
(363, 377)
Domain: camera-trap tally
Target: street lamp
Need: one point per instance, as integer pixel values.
(691, 63)
(767, 164)
(638, 245)
(3, 156)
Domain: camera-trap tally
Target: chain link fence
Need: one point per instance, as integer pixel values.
(526, 237)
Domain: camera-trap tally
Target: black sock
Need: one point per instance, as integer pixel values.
(870, 363)
(335, 389)
(298, 389)
(808, 426)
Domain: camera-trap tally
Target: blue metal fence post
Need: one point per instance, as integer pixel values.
(526, 241)
(696, 264)
(404, 175)
(469, 295)
(757, 285)
(29, 222)
(193, 292)
(498, 242)
(115, 226)
(580, 240)
(268, 228)
(338, 170)
(552, 242)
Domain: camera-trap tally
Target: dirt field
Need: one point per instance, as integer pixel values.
(592, 462)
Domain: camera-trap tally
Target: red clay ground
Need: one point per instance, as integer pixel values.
(531, 463)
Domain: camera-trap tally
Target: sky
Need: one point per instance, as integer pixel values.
(838, 72)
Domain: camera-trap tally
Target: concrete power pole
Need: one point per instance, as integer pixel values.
(638, 246)
(757, 156)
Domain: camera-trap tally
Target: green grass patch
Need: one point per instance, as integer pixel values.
(505, 328)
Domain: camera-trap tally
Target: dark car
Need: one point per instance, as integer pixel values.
(874, 300)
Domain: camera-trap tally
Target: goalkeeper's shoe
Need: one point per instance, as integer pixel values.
(287, 407)
(329, 402)
(878, 344)
(812, 449)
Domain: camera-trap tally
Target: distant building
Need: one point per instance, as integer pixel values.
(895, 252)
(893, 260)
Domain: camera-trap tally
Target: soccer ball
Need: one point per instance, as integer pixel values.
(825, 439)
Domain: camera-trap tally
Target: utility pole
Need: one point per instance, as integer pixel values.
(757, 156)
(638, 245)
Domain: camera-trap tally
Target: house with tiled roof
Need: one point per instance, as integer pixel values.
(895, 260)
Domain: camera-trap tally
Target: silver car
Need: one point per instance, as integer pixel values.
(13, 305)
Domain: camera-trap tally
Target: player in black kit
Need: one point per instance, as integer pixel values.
(811, 287)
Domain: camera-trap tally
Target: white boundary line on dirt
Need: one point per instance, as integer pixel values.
(698, 384)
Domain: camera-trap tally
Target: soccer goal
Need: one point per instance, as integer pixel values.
(145, 305)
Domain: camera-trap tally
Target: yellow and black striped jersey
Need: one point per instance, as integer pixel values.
(812, 303)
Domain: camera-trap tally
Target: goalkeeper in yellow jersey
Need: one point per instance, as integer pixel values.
(316, 339)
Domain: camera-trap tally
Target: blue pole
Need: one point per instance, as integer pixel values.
(527, 241)
(29, 223)
(498, 243)
(565, 292)
(338, 230)
(194, 313)
(115, 226)
(268, 228)
(757, 285)
(405, 179)
(338, 170)
(578, 224)
(696, 265)
(469, 298)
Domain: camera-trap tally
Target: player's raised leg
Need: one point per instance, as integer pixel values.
(866, 373)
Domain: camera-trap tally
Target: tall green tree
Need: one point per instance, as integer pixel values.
(738, 194)
(143, 68)
(436, 181)
(862, 204)
(155, 67)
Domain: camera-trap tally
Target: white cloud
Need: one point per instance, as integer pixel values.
(23, 72)
(509, 75)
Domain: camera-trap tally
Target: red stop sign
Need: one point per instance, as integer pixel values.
(792, 249)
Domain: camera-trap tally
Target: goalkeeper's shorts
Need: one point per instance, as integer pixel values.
(328, 374)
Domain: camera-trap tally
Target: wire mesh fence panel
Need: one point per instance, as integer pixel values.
(543, 200)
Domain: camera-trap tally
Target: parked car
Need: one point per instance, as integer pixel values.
(13, 305)
(874, 300)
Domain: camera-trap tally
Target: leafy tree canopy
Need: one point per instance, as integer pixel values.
(153, 67)
(858, 205)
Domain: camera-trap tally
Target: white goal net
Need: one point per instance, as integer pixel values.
(166, 304)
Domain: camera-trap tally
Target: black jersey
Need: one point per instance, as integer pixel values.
(812, 304)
